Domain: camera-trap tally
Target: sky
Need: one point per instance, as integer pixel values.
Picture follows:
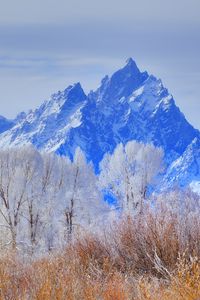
(47, 45)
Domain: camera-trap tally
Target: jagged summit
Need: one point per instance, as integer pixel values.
(74, 94)
(128, 105)
(131, 64)
(121, 84)
(47, 126)
(130, 61)
(74, 88)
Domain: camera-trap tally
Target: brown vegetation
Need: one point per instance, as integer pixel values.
(154, 256)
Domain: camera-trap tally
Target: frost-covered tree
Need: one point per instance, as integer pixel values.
(54, 185)
(31, 170)
(82, 205)
(129, 171)
(45, 197)
(19, 174)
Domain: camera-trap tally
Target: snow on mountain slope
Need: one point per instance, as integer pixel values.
(187, 163)
(48, 126)
(128, 105)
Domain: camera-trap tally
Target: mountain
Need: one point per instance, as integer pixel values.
(128, 105)
(187, 164)
(5, 124)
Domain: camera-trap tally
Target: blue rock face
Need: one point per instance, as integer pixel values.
(130, 105)
(5, 124)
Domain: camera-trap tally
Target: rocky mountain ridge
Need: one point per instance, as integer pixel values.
(129, 105)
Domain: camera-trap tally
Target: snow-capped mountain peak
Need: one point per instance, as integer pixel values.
(129, 105)
(122, 83)
(50, 121)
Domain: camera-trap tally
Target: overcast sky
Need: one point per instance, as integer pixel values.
(48, 44)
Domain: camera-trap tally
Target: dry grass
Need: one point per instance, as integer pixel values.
(154, 256)
(60, 278)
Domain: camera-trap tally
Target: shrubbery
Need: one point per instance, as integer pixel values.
(154, 255)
